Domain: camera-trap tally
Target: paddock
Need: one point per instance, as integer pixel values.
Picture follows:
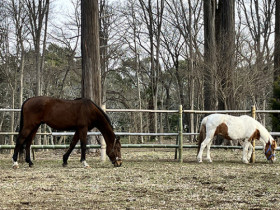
(150, 178)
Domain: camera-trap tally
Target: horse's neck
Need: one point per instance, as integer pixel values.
(264, 134)
(108, 134)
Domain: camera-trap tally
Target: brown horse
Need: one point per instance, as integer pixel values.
(80, 115)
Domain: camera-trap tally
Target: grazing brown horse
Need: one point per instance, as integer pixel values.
(80, 115)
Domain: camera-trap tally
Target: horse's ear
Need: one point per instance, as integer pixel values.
(117, 138)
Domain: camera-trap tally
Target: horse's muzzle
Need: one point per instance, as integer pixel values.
(117, 163)
(273, 160)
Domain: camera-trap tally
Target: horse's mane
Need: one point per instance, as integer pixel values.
(101, 110)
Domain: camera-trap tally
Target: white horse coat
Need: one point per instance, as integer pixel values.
(235, 128)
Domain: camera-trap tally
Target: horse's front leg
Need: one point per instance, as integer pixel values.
(19, 144)
(245, 151)
(83, 139)
(208, 158)
(250, 151)
(71, 147)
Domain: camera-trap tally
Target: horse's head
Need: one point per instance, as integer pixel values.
(115, 155)
(270, 149)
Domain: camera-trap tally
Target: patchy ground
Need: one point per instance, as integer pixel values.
(148, 179)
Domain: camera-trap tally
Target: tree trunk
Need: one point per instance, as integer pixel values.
(91, 72)
(277, 42)
(225, 39)
(91, 75)
(276, 94)
(210, 87)
(191, 69)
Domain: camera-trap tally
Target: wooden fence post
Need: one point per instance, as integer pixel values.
(180, 133)
(253, 157)
(103, 143)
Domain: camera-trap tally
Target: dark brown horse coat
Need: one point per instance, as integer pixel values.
(80, 115)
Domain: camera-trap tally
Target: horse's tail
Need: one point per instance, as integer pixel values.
(202, 133)
(21, 116)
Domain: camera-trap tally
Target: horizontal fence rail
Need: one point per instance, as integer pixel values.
(97, 146)
(98, 134)
(175, 111)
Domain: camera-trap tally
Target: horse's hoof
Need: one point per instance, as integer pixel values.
(86, 167)
(245, 161)
(15, 166)
(64, 164)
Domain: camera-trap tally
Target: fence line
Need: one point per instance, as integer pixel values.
(172, 111)
(179, 135)
(98, 133)
(97, 146)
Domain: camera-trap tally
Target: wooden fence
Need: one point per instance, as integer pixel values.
(179, 134)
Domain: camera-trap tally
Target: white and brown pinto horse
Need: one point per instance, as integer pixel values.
(235, 128)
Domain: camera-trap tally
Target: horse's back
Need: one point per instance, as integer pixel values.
(216, 119)
(237, 127)
(57, 113)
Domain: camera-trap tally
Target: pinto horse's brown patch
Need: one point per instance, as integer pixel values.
(222, 130)
(255, 135)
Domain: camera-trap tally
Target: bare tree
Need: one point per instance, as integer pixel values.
(19, 17)
(68, 34)
(186, 20)
(153, 21)
(38, 13)
(256, 19)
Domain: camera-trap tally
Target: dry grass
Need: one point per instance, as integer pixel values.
(148, 179)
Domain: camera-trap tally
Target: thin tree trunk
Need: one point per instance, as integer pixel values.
(191, 69)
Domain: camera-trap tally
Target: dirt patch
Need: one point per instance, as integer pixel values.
(148, 179)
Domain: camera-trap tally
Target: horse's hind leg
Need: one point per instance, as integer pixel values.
(21, 154)
(19, 145)
(28, 146)
(206, 141)
(71, 147)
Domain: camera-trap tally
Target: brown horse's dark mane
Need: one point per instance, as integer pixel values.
(100, 109)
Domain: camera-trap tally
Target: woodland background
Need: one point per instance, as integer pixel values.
(154, 54)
